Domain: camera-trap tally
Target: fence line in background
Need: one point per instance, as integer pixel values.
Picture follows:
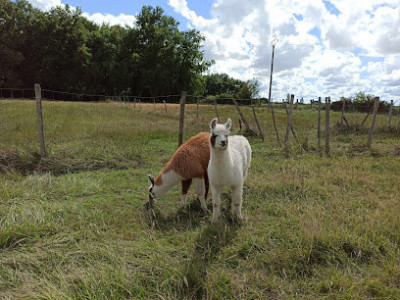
(137, 101)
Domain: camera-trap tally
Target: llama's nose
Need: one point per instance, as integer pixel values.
(223, 143)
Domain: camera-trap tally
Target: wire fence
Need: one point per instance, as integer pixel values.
(323, 106)
(53, 95)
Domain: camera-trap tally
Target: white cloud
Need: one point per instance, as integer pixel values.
(122, 19)
(98, 18)
(238, 38)
(45, 4)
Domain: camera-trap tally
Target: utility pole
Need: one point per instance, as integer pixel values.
(273, 42)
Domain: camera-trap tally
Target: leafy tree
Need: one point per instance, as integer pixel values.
(249, 90)
(361, 97)
(168, 60)
(64, 51)
(222, 84)
(14, 18)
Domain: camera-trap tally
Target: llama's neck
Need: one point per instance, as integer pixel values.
(165, 182)
(220, 158)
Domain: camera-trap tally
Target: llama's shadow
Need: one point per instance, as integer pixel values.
(185, 218)
(211, 240)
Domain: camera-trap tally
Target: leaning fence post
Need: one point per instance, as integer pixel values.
(288, 126)
(390, 113)
(291, 127)
(249, 130)
(258, 124)
(327, 109)
(181, 117)
(371, 129)
(165, 107)
(38, 95)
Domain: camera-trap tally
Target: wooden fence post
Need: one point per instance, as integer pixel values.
(291, 127)
(371, 129)
(181, 117)
(274, 122)
(134, 102)
(327, 109)
(165, 107)
(258, 124)
(341, 120)
(390, 113)
(319, 124)
(288, 126)
(216, 109)
(366, 117)
(154, 104)
(38, 95)
(243, 118)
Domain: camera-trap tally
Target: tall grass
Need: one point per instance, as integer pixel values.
(74, 225)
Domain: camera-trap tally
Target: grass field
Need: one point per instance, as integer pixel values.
(74, 225)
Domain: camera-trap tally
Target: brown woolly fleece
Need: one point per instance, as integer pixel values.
(191, 159)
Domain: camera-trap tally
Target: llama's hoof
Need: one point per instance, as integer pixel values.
(239, 219)
(214, 221)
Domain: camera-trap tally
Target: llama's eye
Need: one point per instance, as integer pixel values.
(214, 136)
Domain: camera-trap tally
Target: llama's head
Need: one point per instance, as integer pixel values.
(151, 192)
(219, 134)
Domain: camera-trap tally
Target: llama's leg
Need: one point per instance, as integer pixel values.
(201, 191)
(236, 208)
(185, 187)
(207, 184)
(216, 199)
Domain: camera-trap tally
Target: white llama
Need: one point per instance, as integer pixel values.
(229, 161)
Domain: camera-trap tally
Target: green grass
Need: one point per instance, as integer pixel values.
(74, 225)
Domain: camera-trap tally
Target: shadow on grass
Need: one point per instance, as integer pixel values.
(28, 163)
(185, 218)
(211, 240)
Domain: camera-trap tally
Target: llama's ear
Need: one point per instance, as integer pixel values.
(151, 179)
(213, 123)
(228, 124)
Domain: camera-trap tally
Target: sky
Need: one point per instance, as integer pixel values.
(324, 48)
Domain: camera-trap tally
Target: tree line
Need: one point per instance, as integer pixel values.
(64, 51)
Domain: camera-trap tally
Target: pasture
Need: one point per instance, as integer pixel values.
(74, 225)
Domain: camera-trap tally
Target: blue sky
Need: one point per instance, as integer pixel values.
(118, 7)
(326, 47)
